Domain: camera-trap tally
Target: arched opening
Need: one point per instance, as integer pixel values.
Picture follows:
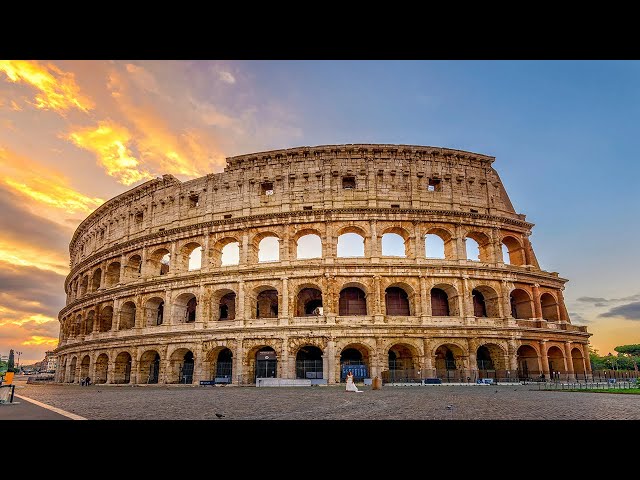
(491, 362)
(84, 285)
(556, 360)
(479, 306)
(577, 360)
(309, 246)
(528, 365)
(133, 269)
(154, 312)
(520, 304)
(77, 327)
(106, 319)
(227, 307)
(102, 365)
(84, 367)
(491, 301)
(112, 276)
(127, 316)
(449, 363)
(267, 304)
(309, 303)
(512, 251)
(72, 369)
(95, 280)
(434, 246)
(122, 368)
(269, 249)
(181, 365)
(149, 367)
(397, 302)
(88, 327)
(224, 366)
(352, 302)
(354, 358)
(350, 245)
(393, 245)
(439, 303)
(484, 360)
(266, 363)
(184, 308)
(401, 364)
(473, 249)
(230, 254)
(159, 262)
(549, 307)
(309, 362)
(192, 253)
(477, 246)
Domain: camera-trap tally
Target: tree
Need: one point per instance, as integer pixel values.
(11, 361)
(628, 350)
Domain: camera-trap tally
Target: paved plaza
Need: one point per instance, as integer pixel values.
(513, 402)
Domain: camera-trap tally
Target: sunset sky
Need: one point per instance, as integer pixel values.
(565, 135)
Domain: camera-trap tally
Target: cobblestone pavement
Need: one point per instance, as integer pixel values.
(515, 402)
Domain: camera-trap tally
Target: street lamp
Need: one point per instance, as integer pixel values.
(18, 363)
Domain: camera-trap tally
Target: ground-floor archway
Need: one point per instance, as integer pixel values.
(102, 366)
(72, 370)
(122, 368)
(181, 365)
(84, 367)
(556, 361)
(354, 358)
(449, 363)
(309, 362)
(578, 363)
(224, 366)
(401, 363)
(528, 363)
(149, 367)
(266, 365)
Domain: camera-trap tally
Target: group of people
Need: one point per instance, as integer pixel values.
(85, 382)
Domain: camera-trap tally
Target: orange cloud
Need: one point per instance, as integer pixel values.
(58, 89)
(56, 196)
(109, 141)
(22, 254)
(38, 340)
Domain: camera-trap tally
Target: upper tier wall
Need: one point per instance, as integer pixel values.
(333, 176)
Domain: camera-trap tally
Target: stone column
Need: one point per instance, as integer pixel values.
(425, 299)
(201, 306)
(429, 367)
(167, 314)
(329, 361)
(240, 302)
(284, 313)
(143, 263)
(238, 357)
(198, 374)
(419, 246)
(569, 361)
(103, 273)
(513, 357)
(206, 265)
(505, 299)
(374, 247)
(111, 369)
(461, 251)
(587, 359)
(133, 377)
(467, 302)
(377, 304)
(244, 253)
(473, 363)
(497, 246)
(284, 253)
(544, 359)
(537, 308)
(173, 266)
(284, 360)
(123, 260)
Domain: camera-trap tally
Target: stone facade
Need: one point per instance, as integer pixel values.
(139, 311)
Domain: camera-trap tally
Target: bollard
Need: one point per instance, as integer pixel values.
(376, 384)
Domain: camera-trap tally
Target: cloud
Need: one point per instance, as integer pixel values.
(142, 78)
(58, 89)
(630, 311)
(592, 299)
(576, 317)
(38, 340)
(109, 142)
(29, 289)
(226, 77)
(43, 185)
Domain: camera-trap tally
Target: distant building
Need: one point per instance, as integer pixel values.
(50, 362)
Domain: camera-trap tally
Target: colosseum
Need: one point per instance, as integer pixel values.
(403, 262)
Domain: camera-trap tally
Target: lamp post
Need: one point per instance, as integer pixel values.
(18, 362)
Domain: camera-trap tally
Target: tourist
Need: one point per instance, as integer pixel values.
(351, 386)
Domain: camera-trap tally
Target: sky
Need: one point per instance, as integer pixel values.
(565, 135)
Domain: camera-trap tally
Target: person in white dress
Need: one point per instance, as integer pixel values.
(351, 386)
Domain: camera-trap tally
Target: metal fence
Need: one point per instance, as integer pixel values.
(612, 384)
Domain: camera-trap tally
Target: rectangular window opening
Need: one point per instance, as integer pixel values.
(434, 185)
(348, 183)
(307, 207)
(473, 210)
(267, 188)
(395, 205)
(194, 201)
(228, 215)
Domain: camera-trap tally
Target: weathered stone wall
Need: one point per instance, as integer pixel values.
(115, 285)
